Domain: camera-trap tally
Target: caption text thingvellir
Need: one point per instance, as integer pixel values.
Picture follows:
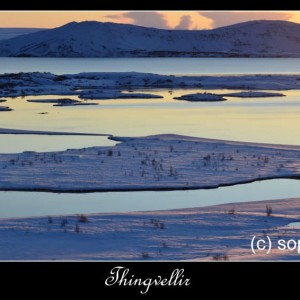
(121, 276)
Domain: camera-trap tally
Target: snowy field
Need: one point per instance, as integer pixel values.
(214, 233)
(160, 162)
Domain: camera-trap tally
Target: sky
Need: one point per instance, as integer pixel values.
(158, 19)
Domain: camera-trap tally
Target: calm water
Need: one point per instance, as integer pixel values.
(266, 120)
(294, 225)
(43, 143)
(19, 204)
(151, 65)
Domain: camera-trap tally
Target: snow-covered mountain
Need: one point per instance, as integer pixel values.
(95, 39)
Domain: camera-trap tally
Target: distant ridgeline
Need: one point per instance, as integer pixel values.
(8, 33)
(95, 39)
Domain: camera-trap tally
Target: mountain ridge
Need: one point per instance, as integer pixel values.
(261, 38)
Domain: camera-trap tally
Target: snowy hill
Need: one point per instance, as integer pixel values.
(95, 39)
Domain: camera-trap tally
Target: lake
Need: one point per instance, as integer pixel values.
(24, 204)
(265, 120)
(187, 65)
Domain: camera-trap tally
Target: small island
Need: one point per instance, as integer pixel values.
(201, 97)
(61, 102)
(251, 94)
(111, 94)
(5, 108)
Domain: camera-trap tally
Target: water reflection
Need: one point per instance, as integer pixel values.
(294, 225)
(46, 143)
(19, 204)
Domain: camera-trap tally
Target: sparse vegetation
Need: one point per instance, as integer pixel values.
(64, 222)
(164, 245)
(145, 255)
(77, 228)
(60, 78)
(157, 223)
(220, 257)
(231, 211)
(161, 226)
(82, 218)
(269, 210)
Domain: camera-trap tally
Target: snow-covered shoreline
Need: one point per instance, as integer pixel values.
(159, 162)
(213, 233)
(108, 85)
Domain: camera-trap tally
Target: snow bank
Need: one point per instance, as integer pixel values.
(112, 85)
